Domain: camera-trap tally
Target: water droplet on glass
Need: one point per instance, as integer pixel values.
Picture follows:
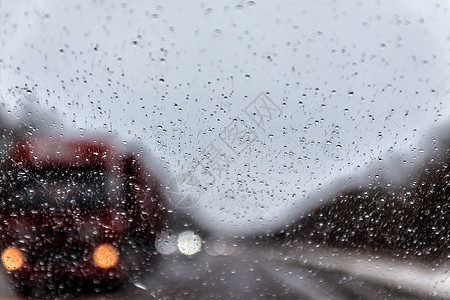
(208, 11)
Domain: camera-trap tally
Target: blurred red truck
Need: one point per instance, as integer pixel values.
(77, 211)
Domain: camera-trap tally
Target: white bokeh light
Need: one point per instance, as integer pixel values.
(166, 243)
(189, 243)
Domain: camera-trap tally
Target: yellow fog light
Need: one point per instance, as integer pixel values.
(12, 259)
(106, 256)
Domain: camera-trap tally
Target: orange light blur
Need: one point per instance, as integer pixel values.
(106, 256)
(13, 259)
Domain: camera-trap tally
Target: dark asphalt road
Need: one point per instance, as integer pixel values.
(268, 274)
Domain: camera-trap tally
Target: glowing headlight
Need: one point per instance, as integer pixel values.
(189, 243)
(166, 243)
(13, 259)
(106, 256)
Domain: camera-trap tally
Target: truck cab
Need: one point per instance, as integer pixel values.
(77, 210)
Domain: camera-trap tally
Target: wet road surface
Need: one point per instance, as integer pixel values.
(257, 273)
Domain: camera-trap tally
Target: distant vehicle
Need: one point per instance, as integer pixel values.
(77, 211)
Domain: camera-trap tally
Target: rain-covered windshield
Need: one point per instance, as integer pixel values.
(60, 187)
(256, 149)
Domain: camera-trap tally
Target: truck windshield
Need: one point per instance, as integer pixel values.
(61, 187)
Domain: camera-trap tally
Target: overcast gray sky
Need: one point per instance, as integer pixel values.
(347, 83)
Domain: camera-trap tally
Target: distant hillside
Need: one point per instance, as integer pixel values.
(412, 220)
